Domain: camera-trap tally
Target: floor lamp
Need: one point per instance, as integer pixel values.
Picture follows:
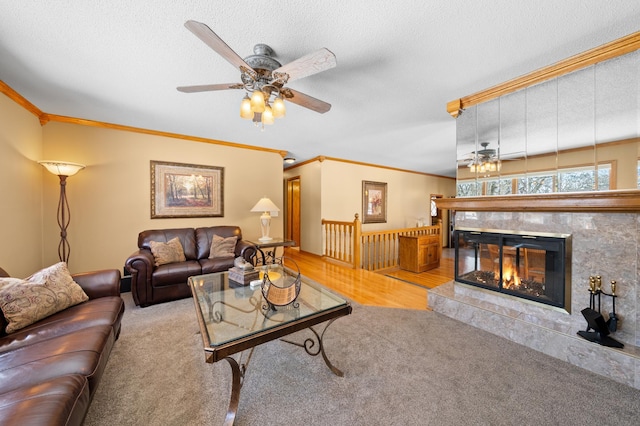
(265, 206)
(63, 170)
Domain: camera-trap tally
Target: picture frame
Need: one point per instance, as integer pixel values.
(374, 202)
(186, 190)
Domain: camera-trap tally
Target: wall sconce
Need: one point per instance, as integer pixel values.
(266, 206)
(63, 170)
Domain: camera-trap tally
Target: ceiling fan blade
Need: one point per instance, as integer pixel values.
(305, 100)
(212, 40)
(307, 65)
(209, 87)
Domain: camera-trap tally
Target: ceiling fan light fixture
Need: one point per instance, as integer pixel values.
(245, 108)
(264, 77)
(257, 101)
(267, 115)
(279, 109)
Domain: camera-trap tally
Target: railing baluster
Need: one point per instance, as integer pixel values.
(374, 250)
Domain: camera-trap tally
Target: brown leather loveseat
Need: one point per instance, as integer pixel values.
(49, 370)
(152, 284)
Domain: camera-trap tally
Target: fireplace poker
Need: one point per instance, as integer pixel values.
(592, 289)
(613, 319)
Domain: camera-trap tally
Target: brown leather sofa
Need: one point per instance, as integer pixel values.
(152, 284)
(50, 370)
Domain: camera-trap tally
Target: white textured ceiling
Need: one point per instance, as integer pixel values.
(399, 63)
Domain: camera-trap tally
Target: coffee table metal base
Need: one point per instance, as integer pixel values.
(239, 369)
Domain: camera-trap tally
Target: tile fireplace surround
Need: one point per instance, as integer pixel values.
(605, 241)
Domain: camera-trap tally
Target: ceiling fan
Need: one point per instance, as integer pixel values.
(264, 78)
(483, 160)
(488, 159)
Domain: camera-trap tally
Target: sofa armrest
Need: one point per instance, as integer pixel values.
(99, 283)
(141, 265)
(246, 250)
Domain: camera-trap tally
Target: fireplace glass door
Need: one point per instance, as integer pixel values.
(528, 266)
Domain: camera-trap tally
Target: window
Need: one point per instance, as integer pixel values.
(468, 189)
(583, 179)
(536, 184)
(575, 179)
(499, 186)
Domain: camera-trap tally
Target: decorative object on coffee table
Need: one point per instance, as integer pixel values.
(243, 272)
(279, 286)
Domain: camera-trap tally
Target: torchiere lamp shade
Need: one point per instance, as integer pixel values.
(62, 168)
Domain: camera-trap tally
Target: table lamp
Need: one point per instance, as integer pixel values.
(265, 206)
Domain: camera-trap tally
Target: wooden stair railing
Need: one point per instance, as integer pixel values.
(374, 250)
(341, 240)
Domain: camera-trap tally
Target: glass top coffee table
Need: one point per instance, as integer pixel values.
(234, 318)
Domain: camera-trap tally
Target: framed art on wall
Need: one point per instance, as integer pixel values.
(374, 202)
(186, 190)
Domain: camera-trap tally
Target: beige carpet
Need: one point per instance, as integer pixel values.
(402, 367)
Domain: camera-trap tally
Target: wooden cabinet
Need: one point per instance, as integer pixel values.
(419, 253)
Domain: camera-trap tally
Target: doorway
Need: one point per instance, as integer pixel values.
(437, 218)
(293, 210)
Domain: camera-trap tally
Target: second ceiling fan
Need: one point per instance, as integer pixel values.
(264, 78)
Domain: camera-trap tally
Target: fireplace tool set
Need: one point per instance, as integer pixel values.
(595, 320)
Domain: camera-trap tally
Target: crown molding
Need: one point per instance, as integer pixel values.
(618, 47)
(623, 201)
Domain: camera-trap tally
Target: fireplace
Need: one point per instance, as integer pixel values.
(532, 266)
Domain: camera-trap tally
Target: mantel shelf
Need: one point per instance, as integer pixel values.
(605, 201)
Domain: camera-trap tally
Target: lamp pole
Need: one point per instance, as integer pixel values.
(64, 217)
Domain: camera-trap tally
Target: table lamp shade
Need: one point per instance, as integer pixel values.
(266, 206)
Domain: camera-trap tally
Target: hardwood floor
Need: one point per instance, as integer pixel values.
(372, 288)
(429, 279)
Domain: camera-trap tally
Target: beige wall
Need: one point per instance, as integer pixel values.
(310, 203)
(20, 189)
(110, 198)
(332, 190)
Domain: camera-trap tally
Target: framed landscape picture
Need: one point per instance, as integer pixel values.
(374, 202)
(186, 190)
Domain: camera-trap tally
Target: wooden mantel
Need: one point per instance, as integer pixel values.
(626, 201)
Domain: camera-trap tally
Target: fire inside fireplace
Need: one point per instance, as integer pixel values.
(532, 266)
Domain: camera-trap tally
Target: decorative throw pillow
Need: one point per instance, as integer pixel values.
(44, 293)
(223, 247)
(168, 252)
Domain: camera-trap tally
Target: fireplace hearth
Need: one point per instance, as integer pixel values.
(532, 266)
